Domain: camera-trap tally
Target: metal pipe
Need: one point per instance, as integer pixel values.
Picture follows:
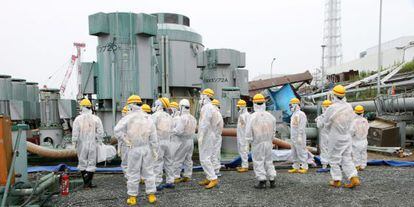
(167, 68)
(11, 170)
(42, 186)
(163, 65)
(113, 91)
(370, 105)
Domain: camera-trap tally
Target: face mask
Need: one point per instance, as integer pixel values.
(202, 99)
(85, 110)
(294, 107)
(258, 107)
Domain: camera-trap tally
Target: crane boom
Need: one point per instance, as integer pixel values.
(67, 74)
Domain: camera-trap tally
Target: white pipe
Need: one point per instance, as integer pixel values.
(50, 153)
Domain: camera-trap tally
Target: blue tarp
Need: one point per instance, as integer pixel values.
(232, 164)
(281, 99)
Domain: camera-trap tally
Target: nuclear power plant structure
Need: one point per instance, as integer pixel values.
(157, 55)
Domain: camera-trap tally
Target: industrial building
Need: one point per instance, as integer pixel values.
(394, 53)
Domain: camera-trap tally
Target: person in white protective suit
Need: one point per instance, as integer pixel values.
(146, 108)
(139, 134)
(184, 131)
(242, 145)
(219, 139)
(359, 133)
(337, 119)
(87, 133)
(174, 109)
(164, 123)
(299, 154)
(133, 104)
(207, 129)
(260, 130)
(323, 138)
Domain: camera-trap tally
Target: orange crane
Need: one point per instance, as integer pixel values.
(67, 74)
(69, 70)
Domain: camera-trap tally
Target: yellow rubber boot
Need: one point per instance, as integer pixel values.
(242, 169)
(178, 180)
(293, 170)
(212, 184)
(185, 179)
(353, 183)
(204, 182)
(132, 200)
(335, 183)
(152, 198)
(303, 171)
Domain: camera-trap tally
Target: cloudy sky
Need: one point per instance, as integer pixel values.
(37, 36)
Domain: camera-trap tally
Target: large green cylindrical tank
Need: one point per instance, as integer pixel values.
(124, 56)
(19, 89)
(5, 94)
(178, 47)
(33, 99)
(49, 107)
(6, 87)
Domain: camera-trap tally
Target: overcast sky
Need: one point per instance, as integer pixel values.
(37, 36)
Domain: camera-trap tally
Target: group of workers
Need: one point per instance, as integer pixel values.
(157, 142)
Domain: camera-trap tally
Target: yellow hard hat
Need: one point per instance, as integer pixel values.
(125, 109)
(174, 105)
(165, 102)
(359, 109)
(339, 90)
(326, 103)
(241, 103)
(134, 99)
(294, 101)
(215, 102)
(146, 108)
(85, 102)
(259, 98)
(208, 92)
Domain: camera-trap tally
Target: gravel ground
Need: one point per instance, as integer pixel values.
(382, 186)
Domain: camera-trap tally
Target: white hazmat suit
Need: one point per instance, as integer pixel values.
(323, 139)
(138, 132)
(218, 143)
(207, 129)
(184, 131)
(122, 146)
(260, 130)
(359, 133)
(298, 122)
(163, 122)
(337, 119)
(242, 144)
(87, 132)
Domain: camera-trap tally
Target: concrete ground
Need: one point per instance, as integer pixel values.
(381, 186)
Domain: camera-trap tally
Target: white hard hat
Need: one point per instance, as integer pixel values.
(184, 102)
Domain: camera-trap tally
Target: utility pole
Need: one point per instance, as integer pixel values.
(379, 51)
(323, 68)
(271, 68)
